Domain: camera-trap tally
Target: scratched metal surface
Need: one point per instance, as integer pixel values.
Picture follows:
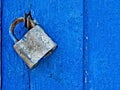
(34, 46)
(63, 21)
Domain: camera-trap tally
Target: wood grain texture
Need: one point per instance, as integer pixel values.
(0, 42)
(103, 57)
(63, 70)
(63, 21)
(15, 75)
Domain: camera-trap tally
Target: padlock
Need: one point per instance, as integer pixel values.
(34, 45)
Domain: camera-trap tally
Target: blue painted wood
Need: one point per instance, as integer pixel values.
(63, 21)
(0, 43)
(15, 75)
(103, 56)
(63, 70)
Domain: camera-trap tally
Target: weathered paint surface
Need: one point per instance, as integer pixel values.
(63, 21)
(0, 43)
(103, 44)
(64, 70)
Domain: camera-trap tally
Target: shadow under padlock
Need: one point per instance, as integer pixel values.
(35, 44)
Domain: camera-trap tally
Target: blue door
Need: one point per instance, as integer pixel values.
(87, 34)
(102, 27)
(63, 22)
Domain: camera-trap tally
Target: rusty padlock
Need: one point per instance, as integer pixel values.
(35, 44)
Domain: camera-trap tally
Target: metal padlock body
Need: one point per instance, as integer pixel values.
(35, 45)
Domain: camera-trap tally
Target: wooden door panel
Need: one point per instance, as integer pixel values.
(63, 70)
(103, 57)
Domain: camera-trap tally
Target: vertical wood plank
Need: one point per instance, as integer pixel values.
(0, 42)
(63, 70)
(63, 21)
(85, 46)
(103, 28)
(15, 74)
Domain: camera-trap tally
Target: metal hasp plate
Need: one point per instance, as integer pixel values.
(35, 45)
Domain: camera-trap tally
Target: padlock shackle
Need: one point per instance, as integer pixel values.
(17, 21)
